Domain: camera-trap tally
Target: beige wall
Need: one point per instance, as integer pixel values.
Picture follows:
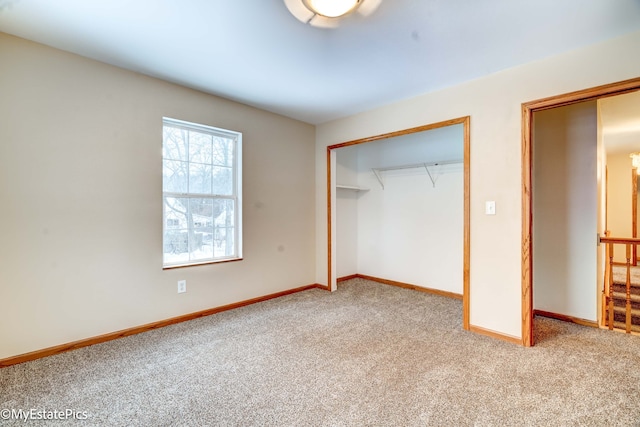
(494, 104)
(565, 210)
(80, 191)
(620, 186)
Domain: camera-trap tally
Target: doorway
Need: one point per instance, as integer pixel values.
(528, 110)
(332, 191)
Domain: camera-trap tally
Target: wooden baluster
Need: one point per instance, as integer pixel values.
(628, 318)
(611, 247)
(606, 286)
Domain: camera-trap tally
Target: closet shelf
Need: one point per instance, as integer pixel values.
(351, 187)
(426, 165)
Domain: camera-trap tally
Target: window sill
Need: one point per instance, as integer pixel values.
(196, 264)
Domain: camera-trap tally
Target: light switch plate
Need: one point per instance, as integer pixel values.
(490, 207)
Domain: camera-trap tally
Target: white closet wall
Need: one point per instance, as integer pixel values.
(411, 231)
(347, 211)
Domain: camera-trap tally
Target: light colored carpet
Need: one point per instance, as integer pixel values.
(366, 355)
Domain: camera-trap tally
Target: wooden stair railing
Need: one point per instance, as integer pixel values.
(608, 292)
(608, 280)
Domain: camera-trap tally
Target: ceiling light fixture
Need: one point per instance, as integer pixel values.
(331, 8)
(327, 13)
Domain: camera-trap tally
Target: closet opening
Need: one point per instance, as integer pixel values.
(398, 208)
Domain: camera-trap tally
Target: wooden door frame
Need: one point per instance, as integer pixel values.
(466, 122)
(528, 109)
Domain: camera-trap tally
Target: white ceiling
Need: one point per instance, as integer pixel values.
(255, 52)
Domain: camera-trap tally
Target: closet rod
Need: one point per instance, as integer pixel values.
(424, 165)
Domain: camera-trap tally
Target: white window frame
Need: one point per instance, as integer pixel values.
(236, 195)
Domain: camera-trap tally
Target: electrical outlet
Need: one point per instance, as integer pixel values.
(182, 286)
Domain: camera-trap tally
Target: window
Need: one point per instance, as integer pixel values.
(201, 189)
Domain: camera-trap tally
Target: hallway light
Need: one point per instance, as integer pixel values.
(635, 161)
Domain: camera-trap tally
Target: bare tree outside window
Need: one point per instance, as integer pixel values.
(201, 193)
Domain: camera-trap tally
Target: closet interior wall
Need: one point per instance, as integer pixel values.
(411, 230)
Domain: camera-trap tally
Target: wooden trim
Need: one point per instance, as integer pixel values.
(329, 230)
(527, 258)
(410, 286)
(493, 334)
(608, 279)
(610, 301)
(620, 240)
(466, 122)
(306, 288)
(345, 278)
(528, 109)
(198, 264)
(597, 92)
(466, 262)
(565, 318)
(460, 120)
(50, 351)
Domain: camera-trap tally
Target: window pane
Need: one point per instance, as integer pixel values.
(199, 178)
(224, 212)
(176, 233)
(200, 147)
(175, 143)
(202, 213)
(224, 227)
(222, 181)
(205, 250)
(201, 229)
(176, 210)
(174, 176)
(224, 242)
(223, 151)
